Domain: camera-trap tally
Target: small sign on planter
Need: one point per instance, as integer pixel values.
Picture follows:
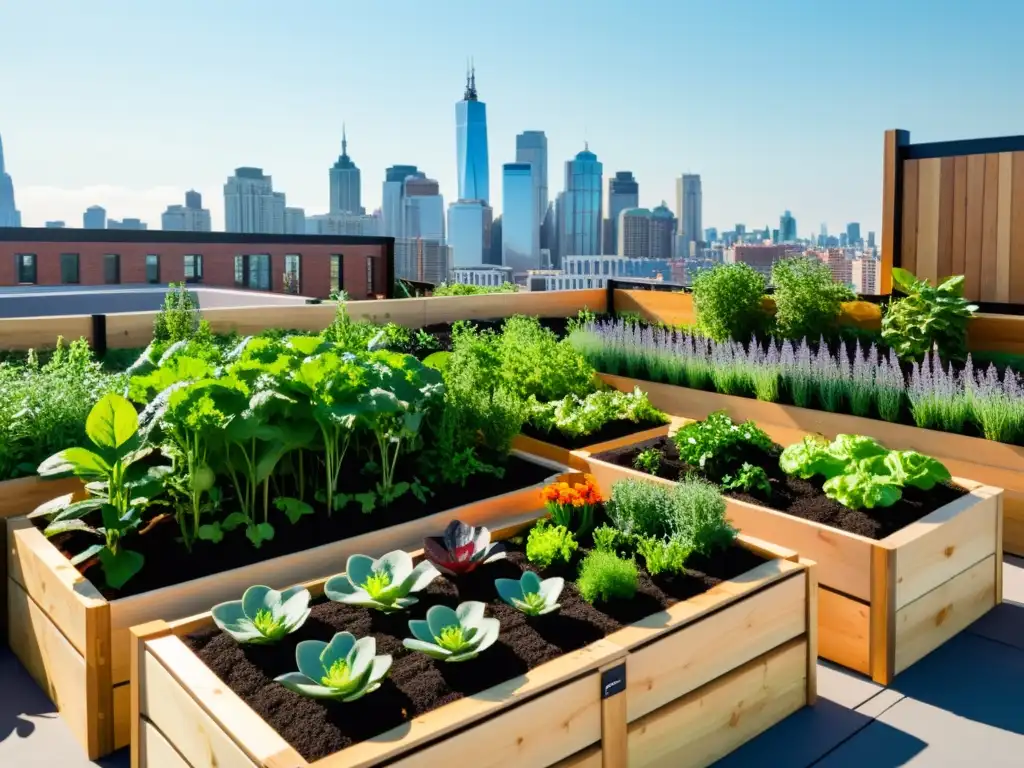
(613, 681)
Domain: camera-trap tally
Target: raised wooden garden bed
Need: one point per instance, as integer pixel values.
(75, 643)
(984, 461)
(568, 457)
(682, 687)
(886, 603)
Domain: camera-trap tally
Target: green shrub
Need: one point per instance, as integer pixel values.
(606, 576)
(663, 555)
(728, 300)
(698, 517)
(465, 289)
(575, 416)
(928, 318)
(533, 362)
(808, 301)
(178, 318)
(607, 538)
(549, 544)
(640, 509)
(716, 445)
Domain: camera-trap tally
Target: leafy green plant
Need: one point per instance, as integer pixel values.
(863, 489)
(927, 318)
(698, 517)
(263, 615)
(529, 594)
(663, 555)
(121, 487)
(811, 457)
(453, 635)
(916, 469)
(808, 300)
(607, 538)
(465, 289)
(729, 302)
(344, 669)
(639, 509)
(385, 584)
(178, 318)
(648, 460)
(548, 544)
(576, 416)
(716, 445)
(748, 478)
(605, 576)
(532, 361)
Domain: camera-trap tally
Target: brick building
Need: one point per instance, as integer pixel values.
(309, 265)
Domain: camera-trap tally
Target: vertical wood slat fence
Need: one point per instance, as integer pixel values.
(956, 208)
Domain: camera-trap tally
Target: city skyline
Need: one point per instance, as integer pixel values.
(757, 153)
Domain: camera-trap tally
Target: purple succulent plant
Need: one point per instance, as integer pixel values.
(461, 549)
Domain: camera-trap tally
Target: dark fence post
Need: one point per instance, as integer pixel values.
(99, 335)
(609, 288)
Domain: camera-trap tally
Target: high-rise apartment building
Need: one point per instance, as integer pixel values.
(393, 192)
(422, 209)
(471, 144)
(469, 232)
(711, 235)
(663, 232)
(493, 259)
(787, 228)
(689, 208)
(133, 224)
(853, 233)
(346, 182)
(95, 217)
(760, 257)
(294, 221)
(623, 193)
(871, 240)
(191, 217)
(634, 228)
(520, 233)
(251, 205)
(864, 275)
(10, 216)
(532, 148)
(581, 219)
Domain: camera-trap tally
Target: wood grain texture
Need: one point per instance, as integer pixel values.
(989, 228)
(929, 198)
(42, 332)
(711, 722)
(881, 614)
(934, 618)
(844, 631)
(1017, 231)
(811, 627)
(908, 248)
(974, 225)
(570, 458)
(155, 751)
(959, 233)
(588, 758)
(891, 172)
(947, 178)
(1003, 223)
(614, 730)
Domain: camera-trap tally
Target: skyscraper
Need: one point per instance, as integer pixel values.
(421, 253)
(634, 233)
(95, 217)
(663, 230)
(251, 204)
(471, 144)
(581, 219)
(689, 209)
(191, 217)
(853, 233)
(294, 221)
(623, 193)
(532, 148)
(193, 200)
(520, 233)
(9, 214)
(787, 228)
(469, 232)
(394, 190)
(346, 182)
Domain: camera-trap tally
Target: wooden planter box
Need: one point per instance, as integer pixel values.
(75, 643)
(683, 687)
(884, 604)
(568, 457)
(984, 461)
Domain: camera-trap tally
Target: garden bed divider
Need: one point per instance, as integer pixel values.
(76, 644)
(687, 685)
(882, 604)
(983, 461)
(568, 457)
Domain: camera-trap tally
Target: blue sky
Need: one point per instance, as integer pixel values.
(780, 104)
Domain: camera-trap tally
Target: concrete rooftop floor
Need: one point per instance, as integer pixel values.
(961, 706)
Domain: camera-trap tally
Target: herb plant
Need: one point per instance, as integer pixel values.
(808, 301)
(529, 594)
(928, 318)
(663, 555)
(344, 669)
(605, 576)
(729, 302)
(748, 478)
(607, 538)
(453, 635)
(574, 416)
(548, 544)
(385, 584)
(717, 446)
(263, 615)
(648, 460)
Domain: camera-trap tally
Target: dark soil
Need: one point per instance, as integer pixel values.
(803, 498)
(610, 431)
(418, 684)
(168, 562)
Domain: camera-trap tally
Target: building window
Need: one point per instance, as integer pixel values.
(369, 276)
(253, 271)
(292, 273)
(193, 268)
(152, 268)
(26, 267)
(69, 268)
(111, 268)
(337, 278)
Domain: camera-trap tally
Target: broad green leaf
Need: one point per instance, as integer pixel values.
(75, 461)
(438, 360)
(112, 422)
(211, 532)
(78, 509)
(368, 501)
(293, 508)
(119, 568)
(52, 507)
(87, 554)
(63, 526)
(234, 520)
(257, 534)
(904, 279)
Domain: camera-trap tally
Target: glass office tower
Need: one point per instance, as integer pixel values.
(581, 220)
(520, 230)
(471, 144)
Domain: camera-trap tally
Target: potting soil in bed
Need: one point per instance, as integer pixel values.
(168, 562)
(418, 684)
(802, 498)
(610, 431)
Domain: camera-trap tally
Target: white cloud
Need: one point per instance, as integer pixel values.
(41, 204)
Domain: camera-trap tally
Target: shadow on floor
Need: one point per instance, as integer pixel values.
(1004, 624)
(971, 676)
(17, 711)
(808, 735)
